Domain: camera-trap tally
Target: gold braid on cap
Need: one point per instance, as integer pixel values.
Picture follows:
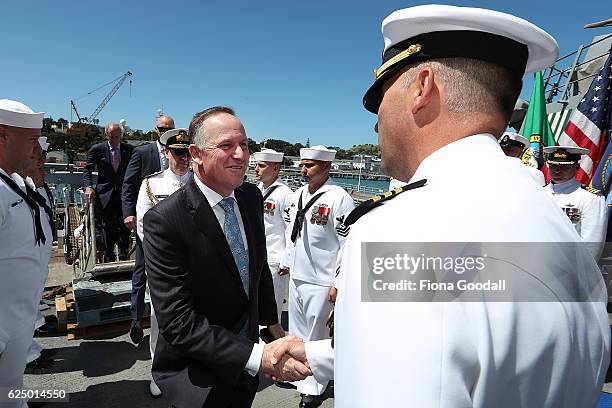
(413, 49)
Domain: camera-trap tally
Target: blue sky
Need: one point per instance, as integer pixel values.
(292, 70)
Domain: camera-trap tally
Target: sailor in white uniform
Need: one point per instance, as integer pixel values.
(25, 244)
(443, 95)
(514, 145)
(277, 199)
(155, 188)
(317, 237)
(584, 206)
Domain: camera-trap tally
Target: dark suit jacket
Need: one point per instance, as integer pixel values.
(108, 181)
(199, 299)
(144, 161)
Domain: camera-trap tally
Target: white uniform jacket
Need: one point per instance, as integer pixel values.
(153, 189)
(274, 209)
(587, 211)
(23, 262)
(317, 251)
(461, 354)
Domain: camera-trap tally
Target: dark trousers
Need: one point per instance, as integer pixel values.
(139, 283)
(229, 398)
(110, 229)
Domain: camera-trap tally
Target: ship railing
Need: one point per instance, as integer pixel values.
(554, 75)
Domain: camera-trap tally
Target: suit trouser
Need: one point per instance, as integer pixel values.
(280, 287)
(309, 310)
(12, 364)
(109, 222)
(139, 283)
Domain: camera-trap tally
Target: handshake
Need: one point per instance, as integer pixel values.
(284, 359)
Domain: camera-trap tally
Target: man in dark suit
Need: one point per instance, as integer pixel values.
(146, 160)
(205, 251)
(110, 158)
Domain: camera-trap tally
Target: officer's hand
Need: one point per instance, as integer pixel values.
(283, 271)
(90, 193)
(333, 292)
(130, 222)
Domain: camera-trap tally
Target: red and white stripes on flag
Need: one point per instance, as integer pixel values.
(590, 121)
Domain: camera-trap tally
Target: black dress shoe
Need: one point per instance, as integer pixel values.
(285, 385)
(47, 353)
(312, 401)
(136, 333)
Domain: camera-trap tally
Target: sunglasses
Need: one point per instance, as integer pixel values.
(180, 152)
(163, 129)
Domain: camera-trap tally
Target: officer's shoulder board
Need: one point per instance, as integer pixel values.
(592, 190)
(373, 202)
(154, 174)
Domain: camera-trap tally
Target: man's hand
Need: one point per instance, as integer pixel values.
(130, 222)
(284, 368)
(90, 194)
(283, 271)
(277, 331)
(333, 292)
(289, 358)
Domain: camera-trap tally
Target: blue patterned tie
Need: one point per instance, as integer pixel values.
(234, 240)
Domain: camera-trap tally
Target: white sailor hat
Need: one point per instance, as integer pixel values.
(564, 154)
(268, 155)
(13, 113)
(42, 141)
(176, 138)
(512, 138)
(436, 31)
(319, 152)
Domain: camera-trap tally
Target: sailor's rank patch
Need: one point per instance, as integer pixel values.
(341, 229)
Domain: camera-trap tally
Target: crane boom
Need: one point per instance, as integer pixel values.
(75, 110)
(109, 96)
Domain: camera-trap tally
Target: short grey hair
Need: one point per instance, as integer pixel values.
(197, 130)
(473, 85)
(109, 124)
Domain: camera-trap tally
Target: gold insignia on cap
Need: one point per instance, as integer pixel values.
(560, 154)
(413, 49)
(182, 137)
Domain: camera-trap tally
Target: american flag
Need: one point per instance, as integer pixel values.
(589, 126)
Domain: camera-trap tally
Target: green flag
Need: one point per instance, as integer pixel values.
(536, 127)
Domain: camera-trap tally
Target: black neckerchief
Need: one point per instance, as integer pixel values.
(41, 202)
(50, 194)
(299, 216)
(40, 235)
(270, 191)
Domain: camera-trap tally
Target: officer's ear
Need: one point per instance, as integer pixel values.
(424, 89)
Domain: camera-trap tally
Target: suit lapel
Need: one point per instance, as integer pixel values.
(155, 159)
(248, 231)
(109, 158)
(206, 221)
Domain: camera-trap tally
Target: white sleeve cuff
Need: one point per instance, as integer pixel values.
(320, 356)
(252, 365)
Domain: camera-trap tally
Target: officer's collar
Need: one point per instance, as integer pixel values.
(565, 187)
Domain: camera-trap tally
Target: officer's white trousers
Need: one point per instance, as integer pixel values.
(309, 310)
(280, 288)
(12, 364)
(154, 329)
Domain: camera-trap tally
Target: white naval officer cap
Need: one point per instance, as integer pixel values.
(268, 155)
(508, 137)
(318, 152)
(42, 141)
(564, 154)
(16, 114)
(434, 31)
(181, 138)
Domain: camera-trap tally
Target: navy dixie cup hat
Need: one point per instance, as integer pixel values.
(427, 32)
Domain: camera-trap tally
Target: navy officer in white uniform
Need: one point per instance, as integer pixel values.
(25, 244)
(313, 254)
(514, 145)
(277, 199)
(155, 188)
(443, 94)
(584, 206)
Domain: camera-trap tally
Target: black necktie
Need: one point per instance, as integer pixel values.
(299, 216)
(40, 235)
(36, 196)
